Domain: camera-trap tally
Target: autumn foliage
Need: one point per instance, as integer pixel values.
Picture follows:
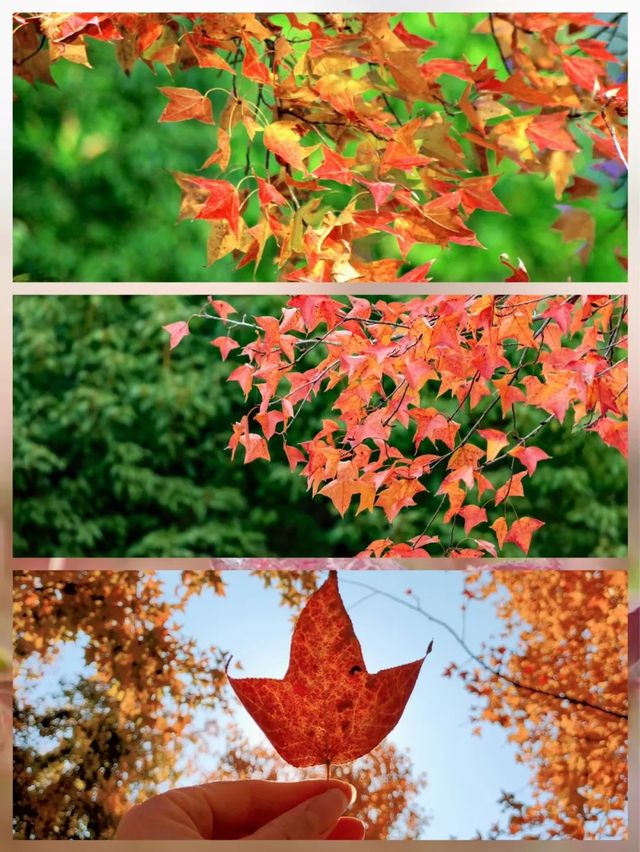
(130, 719)
(375, 362)
(354, 133)
(562, 696)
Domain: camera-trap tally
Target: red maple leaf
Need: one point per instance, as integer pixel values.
(222, 308)
(225, 345)
(511, 488)
(327, 709)
(268, 194)
(252, 67)
(473, 515)
(550, 131)
(521, 532)
(529, 457)
(410, 39)
(176, 331)
(335, 167)
(223, 203)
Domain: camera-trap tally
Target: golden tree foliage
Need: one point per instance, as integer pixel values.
(562, 695)
(384, 780)
(119, 732)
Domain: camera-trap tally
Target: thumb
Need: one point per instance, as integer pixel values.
(310, 820)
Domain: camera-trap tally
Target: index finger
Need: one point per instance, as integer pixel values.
(230, 809)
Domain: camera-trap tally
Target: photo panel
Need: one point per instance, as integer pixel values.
(324, 147)
(132, 683)
(321, 426)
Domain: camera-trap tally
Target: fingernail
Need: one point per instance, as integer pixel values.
(329, 805)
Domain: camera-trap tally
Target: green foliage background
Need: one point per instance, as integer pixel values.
(94, 199)
(120, 450)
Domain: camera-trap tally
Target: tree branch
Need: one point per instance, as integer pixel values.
(497, 42)
(559, 696)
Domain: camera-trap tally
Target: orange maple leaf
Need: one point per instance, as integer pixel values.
(185, 104)
(521, 532)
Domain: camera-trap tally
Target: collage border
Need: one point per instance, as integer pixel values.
(10, 290)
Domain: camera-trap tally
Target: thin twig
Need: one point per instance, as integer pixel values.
(560, 696)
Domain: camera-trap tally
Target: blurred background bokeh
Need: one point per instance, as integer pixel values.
(120, 450)
(94, 199)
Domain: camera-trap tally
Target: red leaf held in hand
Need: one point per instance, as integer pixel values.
(327, 709)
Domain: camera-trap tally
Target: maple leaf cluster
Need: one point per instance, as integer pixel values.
(358, 104)
(563, 356)
(561, 695)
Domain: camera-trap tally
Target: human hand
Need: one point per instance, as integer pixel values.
(253, 810)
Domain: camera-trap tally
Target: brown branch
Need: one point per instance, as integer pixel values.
(497, 42)
(24, 59)
(615, 332)
(614, 136)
